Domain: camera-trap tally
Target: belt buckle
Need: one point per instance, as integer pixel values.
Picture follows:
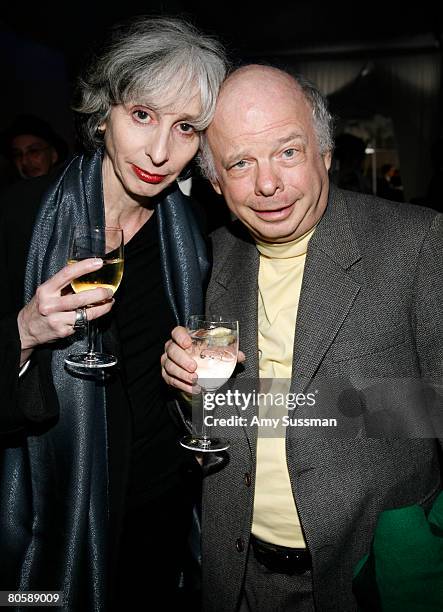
(281, 561)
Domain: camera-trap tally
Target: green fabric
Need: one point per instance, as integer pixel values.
(404, 568)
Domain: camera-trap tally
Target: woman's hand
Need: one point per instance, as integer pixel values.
(50, 315)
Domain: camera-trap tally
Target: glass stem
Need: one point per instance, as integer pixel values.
(204, 440)
(91, 339)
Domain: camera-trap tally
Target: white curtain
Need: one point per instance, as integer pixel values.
(413, 84)
(330, 76)
(407, 86)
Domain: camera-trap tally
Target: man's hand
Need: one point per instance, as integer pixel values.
(50, 315)
(178, 368)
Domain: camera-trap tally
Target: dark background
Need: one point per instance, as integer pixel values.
(43, 46)
(277, 29)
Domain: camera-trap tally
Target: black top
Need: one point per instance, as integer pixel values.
(144, 321)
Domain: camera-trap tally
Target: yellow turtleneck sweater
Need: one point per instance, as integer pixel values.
(279, 282)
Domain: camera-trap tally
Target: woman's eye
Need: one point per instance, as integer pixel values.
(142, 115)
(186, 128)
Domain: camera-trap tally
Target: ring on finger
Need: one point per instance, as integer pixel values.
(81, 319)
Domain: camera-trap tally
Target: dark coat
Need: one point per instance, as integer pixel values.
(18, 208)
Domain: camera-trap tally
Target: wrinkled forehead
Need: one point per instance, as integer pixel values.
(261, 122)
(246, 104)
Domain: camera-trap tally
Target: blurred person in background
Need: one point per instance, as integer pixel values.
(348, 159)
(389, 183)
(32, 146)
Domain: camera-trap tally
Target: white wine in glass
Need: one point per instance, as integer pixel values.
(107, 244)
(215, 349)
(108, 276)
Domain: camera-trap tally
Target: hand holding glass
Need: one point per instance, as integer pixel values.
(107, 244)
(214, 348)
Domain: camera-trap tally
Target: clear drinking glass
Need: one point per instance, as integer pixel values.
(215, 349)
(107, 244)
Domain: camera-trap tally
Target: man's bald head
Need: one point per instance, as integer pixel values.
(246, 87)
(250, 77)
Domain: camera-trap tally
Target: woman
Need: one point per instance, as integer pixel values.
(93, 477)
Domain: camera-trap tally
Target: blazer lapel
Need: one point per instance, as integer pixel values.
(328, 291)
(233, 292)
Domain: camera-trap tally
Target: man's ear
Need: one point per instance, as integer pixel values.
(216, 186)
(54, 156)
(327, 158)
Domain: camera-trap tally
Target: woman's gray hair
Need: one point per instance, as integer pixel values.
(157, 61)
(322, 120)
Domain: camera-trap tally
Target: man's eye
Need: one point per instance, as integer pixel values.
(240, 164)
(289, 153)
(141, 115)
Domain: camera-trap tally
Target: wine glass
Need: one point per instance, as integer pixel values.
(214, 348)
(106, 243)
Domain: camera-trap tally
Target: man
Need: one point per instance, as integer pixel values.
(328, 286)
(33, 147)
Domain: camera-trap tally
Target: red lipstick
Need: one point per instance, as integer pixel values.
(147, 177)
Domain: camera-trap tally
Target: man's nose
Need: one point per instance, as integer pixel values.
(267, 180)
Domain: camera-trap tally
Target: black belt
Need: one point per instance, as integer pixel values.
(280, 559)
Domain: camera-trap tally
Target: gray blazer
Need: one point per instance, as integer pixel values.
(370, 310)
